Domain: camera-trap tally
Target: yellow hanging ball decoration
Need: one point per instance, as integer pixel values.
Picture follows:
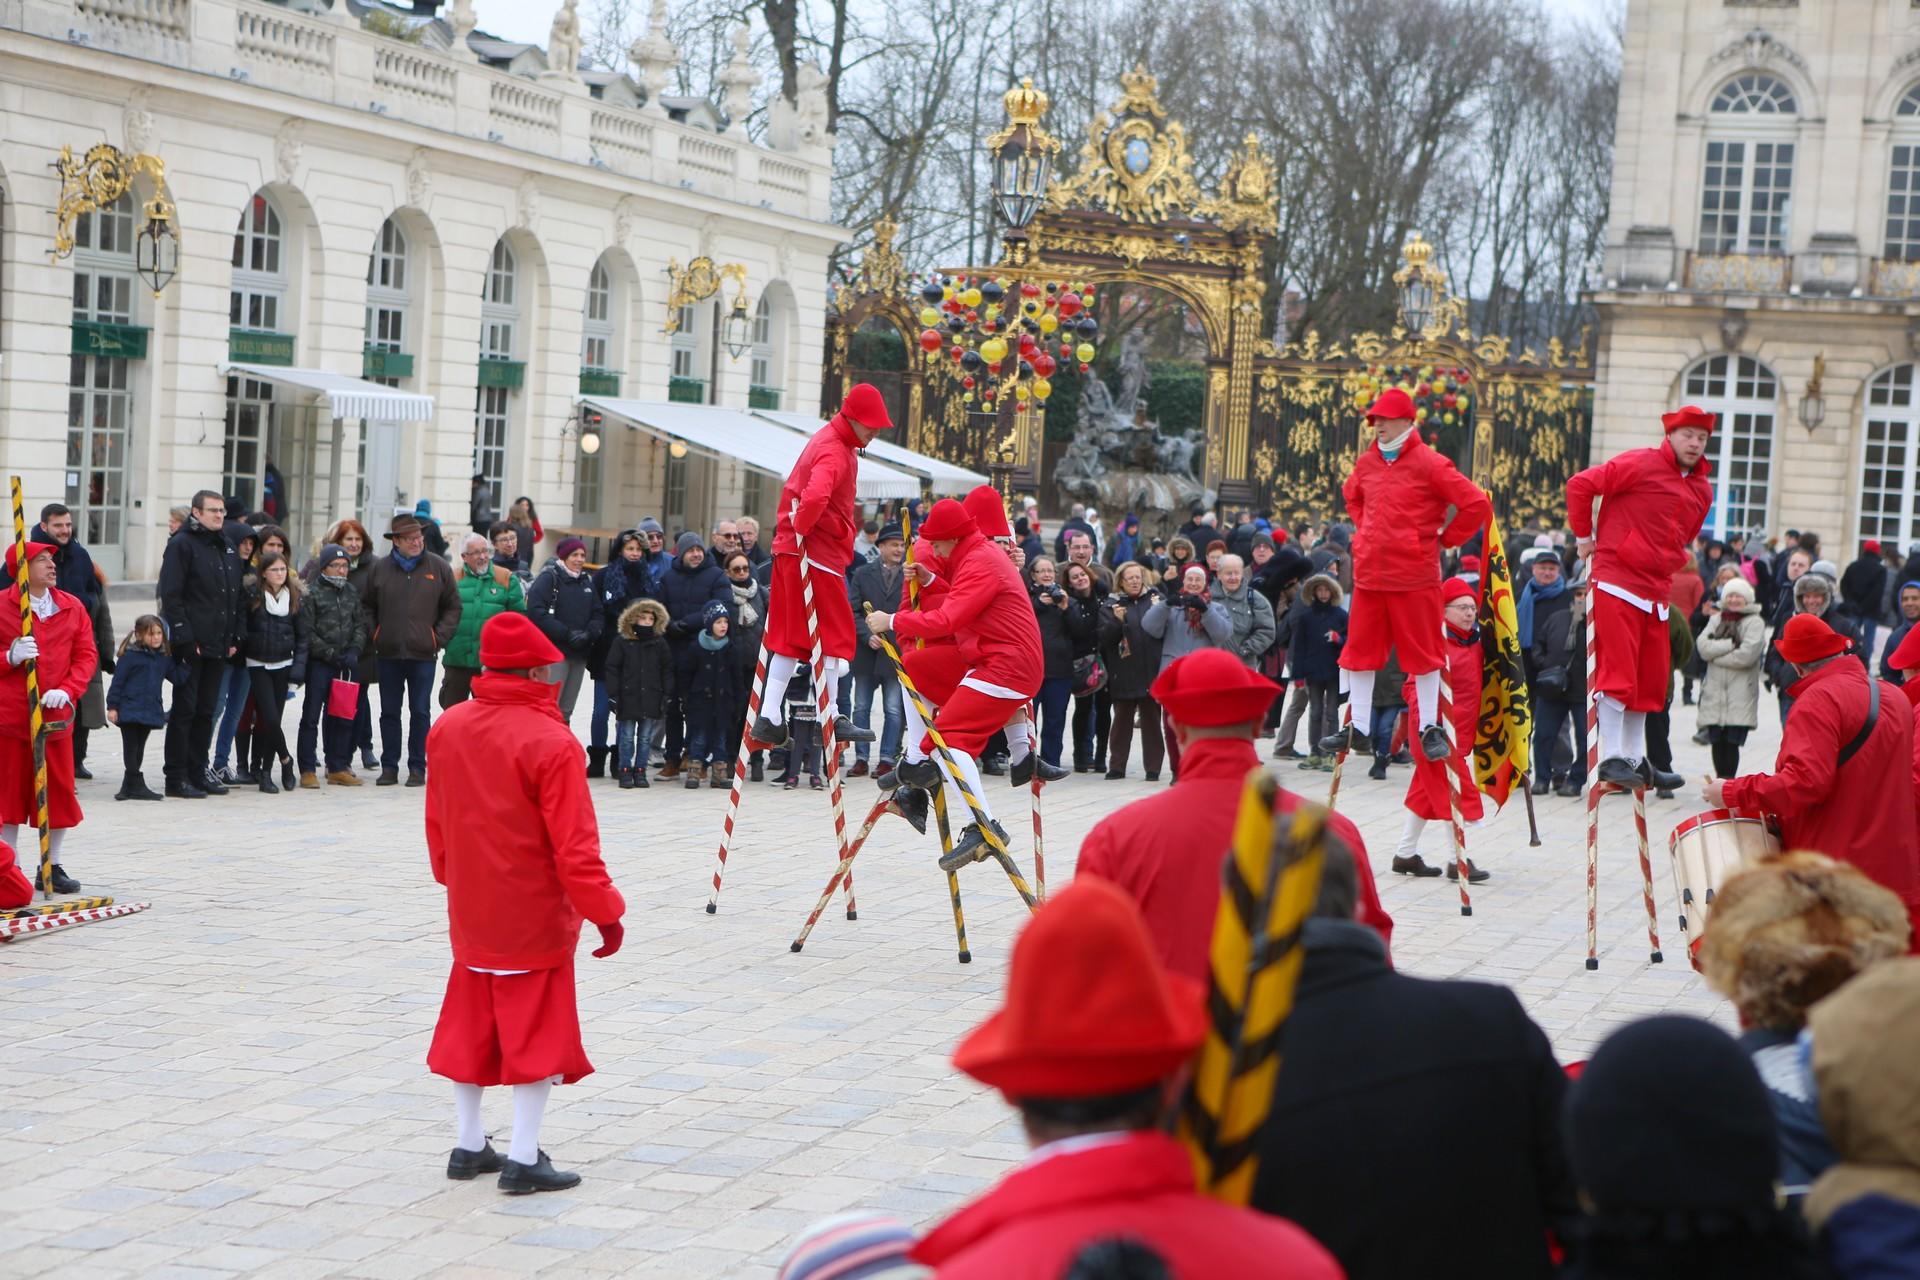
(1049, 322)
(929, 317)
(971, 297)
(993, 350)
(1042, 388)
(1084, 352)
(1021, 391)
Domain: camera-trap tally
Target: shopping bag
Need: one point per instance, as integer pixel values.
(343, 699)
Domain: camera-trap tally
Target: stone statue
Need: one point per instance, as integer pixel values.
(462, 18)
(1119, 461)
(1134, 378)
(655, 57)
(563, 42)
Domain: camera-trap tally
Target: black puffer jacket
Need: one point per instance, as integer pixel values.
(201, 596)
(567, 609)
(1061, 631)
(639, 669)
(1132, 656)
(688, 591)
(335, 624)
(272, 638)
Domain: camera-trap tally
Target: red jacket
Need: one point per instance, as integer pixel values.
(1397, 508)
(823, 483)
(1862, 813)
(1653, 513)
(1686, 590)
(986, 606)
(511, 829)
(1427, 792)
(1165, 851)
(1140, 1185)
(67, 660)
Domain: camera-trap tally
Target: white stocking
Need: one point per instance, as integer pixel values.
(1612, 724)
(529, 1104)
(55, 839)
(916, 731)
(1019, 739)
(1359, 701)
(970, 776)
(1426, 692)
(1633, 734)
(1410, 830)
(773, 702)
(836, 670)
(466, 1116)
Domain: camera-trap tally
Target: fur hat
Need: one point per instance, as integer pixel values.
(1791, 930)
(1318, 579)
(644, 612)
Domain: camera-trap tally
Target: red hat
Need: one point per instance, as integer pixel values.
(1126, 1024)
(1689, 415)
(1871, 547)
(1906, 655)
(511, 642)
(1806, 638)
(948, 519)
(866, 406)
(1453, 588)
(1212, 687)
(13, 556)
(989, 511)
(1469, 564)
(1394, 405)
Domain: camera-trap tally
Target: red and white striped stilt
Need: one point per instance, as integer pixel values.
(24, 925)
(739, 772)
(1453, 790)
(1039, 854)
(826, 713)
(844, 870)
(1646, 873)
(1595, 789)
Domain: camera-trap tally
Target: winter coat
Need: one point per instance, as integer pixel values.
(566, 608)
(986, 605)
(511, 830)
(1065, 634)
(482, 596)
(67, 660)
(1651, 515)
(1560, 642)
(93, 703)
(687, 593)
(620, 582)
(1166, 851)
(639, 670)
(1429, 795)
(822, 482)
(1252, 618)
(867, 585)
(1732, 646)
(72, 567)
(1132, 656)
(336, 625)
(1780, 672)
(410, 615)
(1360, 1040)
(704, 676)
(139, 676)
(1894, 638)
(1396, 508)
(1166, 621)
(744, 637)
(201, 596)
(1861, 812)
(272, 638)
(1311, 655)
(1030, 1225)
(1863, 588)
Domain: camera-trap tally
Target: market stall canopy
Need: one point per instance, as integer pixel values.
(746, 439)
(346, 397)
(944, 477)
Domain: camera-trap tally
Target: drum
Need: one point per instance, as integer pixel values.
(1707, 849)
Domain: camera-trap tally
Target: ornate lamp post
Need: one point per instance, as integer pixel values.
(95, 182)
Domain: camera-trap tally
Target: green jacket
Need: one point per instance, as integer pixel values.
(336, 623)
(481, 597)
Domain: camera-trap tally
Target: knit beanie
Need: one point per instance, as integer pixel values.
(713, 613)
(568, 546)
(686, 542)
(851, 1246)
(649, 525)
(331, 552)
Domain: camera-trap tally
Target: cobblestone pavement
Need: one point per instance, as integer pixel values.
(233, 1081)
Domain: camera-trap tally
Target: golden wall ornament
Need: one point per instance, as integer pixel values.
(696, 282)
(95, 181)
(1131, 165)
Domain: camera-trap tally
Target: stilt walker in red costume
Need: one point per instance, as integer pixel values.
(987, 612)
(1653, 503)
(520, 858)
(1397, 496)
(822, 483)
(61, 647)
(1429, 798)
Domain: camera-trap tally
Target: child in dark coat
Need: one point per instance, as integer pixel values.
(142, 670)
(639, 675)
(707, 684)
(803, 748)
(1319, 633)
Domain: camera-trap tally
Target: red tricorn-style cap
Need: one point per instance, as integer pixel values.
(1806, 638)
(989, 511)
(511, 642)
(1129, 1023)
(1394, 405)
(1212, 687)
(866, 406)
(33, 549)
(1689, 415)
(1453, 588)
(947, 520)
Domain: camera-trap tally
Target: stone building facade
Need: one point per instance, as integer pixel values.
(1764, 257)
(420, 206)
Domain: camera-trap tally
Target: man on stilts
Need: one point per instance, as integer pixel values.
(1429, 797)
(62, 647)
(1397, 496)
(987, 610)
(1655, 501)
(520, 858)
(822, 482)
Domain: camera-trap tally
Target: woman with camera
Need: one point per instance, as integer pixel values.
(1084, 596)
(1062, 627)
(1132, 659)
(1193, 620)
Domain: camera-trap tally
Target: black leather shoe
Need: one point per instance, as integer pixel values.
(924, 774)
(1433, 743)
(415, 778)
(388, 778)
(266, 783)
(1570, 789)
(81, 772)
(1660, 779)
(767, 733)
(465, 1166)
(911, 803)
(181, 789)
(286, 775)
(1616, 771)
(1021, 774)
(518, 1179)
(972, 846)
(1379, 770)
(1346, 738)
(1543, 786)
(1414, 866)
(210, 784)
(1474, 874)
(845, 730)
(1662, 793)
(62, 882)
(993, 765)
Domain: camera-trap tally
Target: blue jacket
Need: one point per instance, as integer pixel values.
(687, 593)
(137, 682)
(1874, 1237)
(1311, 655)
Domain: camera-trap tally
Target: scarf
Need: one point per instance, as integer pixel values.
(1390, 449)
(407, 563)
(711, 642)
(1535, 592)
(1196, 614)
(743, 597)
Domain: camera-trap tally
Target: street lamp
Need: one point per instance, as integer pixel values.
(1813, 405)
(94, 182)
(1421, 285)
(157, 251)
(1022, 157)
(737, 332)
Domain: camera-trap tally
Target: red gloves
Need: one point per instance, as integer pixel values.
(611, 936)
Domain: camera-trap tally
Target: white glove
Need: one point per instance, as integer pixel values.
(55, 700)
(22, 649)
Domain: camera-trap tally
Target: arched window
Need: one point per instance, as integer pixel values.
(600, 359)
(596, 326)
(1890, 465)
(691, 354)
(257, 300)
(499, 375)
(1903, 182)
(99, 397)
(763, 389)
(388, 297)
(259, 272)
(1746, 186)
(1746, 396)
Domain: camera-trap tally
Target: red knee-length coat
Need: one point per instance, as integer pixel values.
(67, 661)
(1651, 514)
(1397, 508)
(823, 484)
(987, 612)
(1427, 790)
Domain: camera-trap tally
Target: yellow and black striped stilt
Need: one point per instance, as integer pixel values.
(953, 877)
(36, 723)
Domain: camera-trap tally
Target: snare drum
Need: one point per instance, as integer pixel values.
(1707, 849)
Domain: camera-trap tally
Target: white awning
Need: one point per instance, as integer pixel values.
(945, 477)
(741, 437)
(346, 397)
